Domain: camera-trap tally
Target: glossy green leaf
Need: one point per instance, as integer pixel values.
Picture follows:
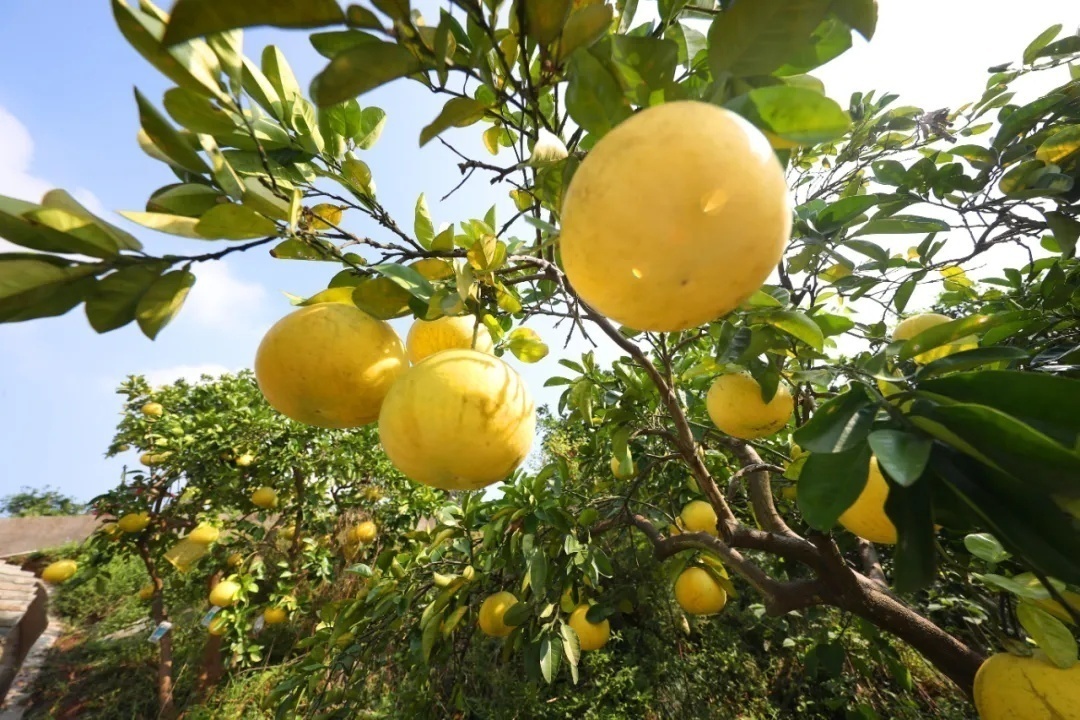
(551, 650)
(278, 73)
(829, 484)
(517, 614)
(159, 304)
(258, 86)
(901, 454)
(797, 325)
(900, 224)
(1066, 230)
(585, 26)
(798, 114)
(360, 69)
(985, 547)
(971, 359)
(646, 65)
(234, 222)
(1051, 635)
(196, 112)
(113, 301)
(408, 279)
(840, 424)
(829, 40)
(333, 43)
(196, 18)
(843, 211)
(33, 288)
(914, 556)
(166, 223)
(188, 199)
(167, 139)
(544, 19)
(457, 112)
(594, 98)
(756, 38)
(1031, 52)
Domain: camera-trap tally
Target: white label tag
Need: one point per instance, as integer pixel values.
(159, 631)
(209, 616)
(260, 622)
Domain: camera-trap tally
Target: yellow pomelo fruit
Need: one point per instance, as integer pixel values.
(591, 636)
(146, 592)
(699, 516)
(218, 626)
(492, 611)
(245, 460)
(59, 571)
(698, 593)
(329, 365)
(460, 420)
(224, 593)
(446, 333)
(736, 408)
(675, 217)
(866, 517)
(264, 497)
(186, 553)
(235, 560)
(275, 616)
(152, 409)
(133, 522)
(150, 459)
(363, 533)
(622, 476)
(204, 534)
(778, 143)
(1008, 687)
(287, 533)
(916, 324)
(111, 529)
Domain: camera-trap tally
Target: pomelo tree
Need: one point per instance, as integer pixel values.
(683, 188)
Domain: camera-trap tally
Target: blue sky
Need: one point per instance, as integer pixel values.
(67, 119)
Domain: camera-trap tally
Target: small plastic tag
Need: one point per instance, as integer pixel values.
(159, 631)
(259, 623)
(209, 616)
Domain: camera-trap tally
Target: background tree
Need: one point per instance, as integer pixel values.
(968, 420)
(29, 502)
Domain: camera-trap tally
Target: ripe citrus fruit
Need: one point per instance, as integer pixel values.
(363, 533)
(446, 333)
(134, 522)
(218, 626)
(245, 460)
(915, 324)
(150, 459)
(736, 408)
(866, 517)
(152, 409)
(1008, 687)
(235, 560)
(146, 592)
(204, 534)
(625, 475)
(264, 497)
(492, 611)
(224, 593)
(59, 571)
(591, 636)
(275, 616)
(699, 516)
(675, 217)
(329, 365)
(698, 593)
(459, 420)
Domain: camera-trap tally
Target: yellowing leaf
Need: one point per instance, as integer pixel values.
(381, 298)
(491, 139)
(526, 345)
(434, 268)
(956, 275)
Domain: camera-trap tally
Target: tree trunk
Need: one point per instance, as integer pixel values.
(953, 658)
(165, 661)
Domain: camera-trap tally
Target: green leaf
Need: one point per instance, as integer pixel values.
(594, 98)
(166, 223)
(979, 157)
(408, 279)
(372, 120)
(32, 288)
(840, 424)
(1066, 230)
(311, 249)
(843, 211)
(645, 64)
(550, 647)
(196, 18)
(167, 139)
(280, 76)
(797, 325)
(429, 635)
(756, 38)
(1045, 37)
(903, 294)
(914, 557)
(61, 199)
(585, 26)
(234, 222)
(187, 199)
(1059, 147)
(902, 455)
(830, 39)
(360, 69)
(526, 345)
(196, 112)
(333, 43)
(457, 112)
(830, 483)
(1051, 635)
(113, 302)
(985, 547)
(946, 333)
(871, 250)
(860, 15)
(571, 643)
(900, 224)
(259, 88)
(162, 300)
(797, 114)
(833, 324)
(971, 359)
(1018, 586)
(423, 227)
(544, 19)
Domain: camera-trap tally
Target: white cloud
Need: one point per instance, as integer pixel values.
(16, 178)
(222, 301)
(191, 373)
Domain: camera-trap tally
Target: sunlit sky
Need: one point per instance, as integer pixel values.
(68, 119)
